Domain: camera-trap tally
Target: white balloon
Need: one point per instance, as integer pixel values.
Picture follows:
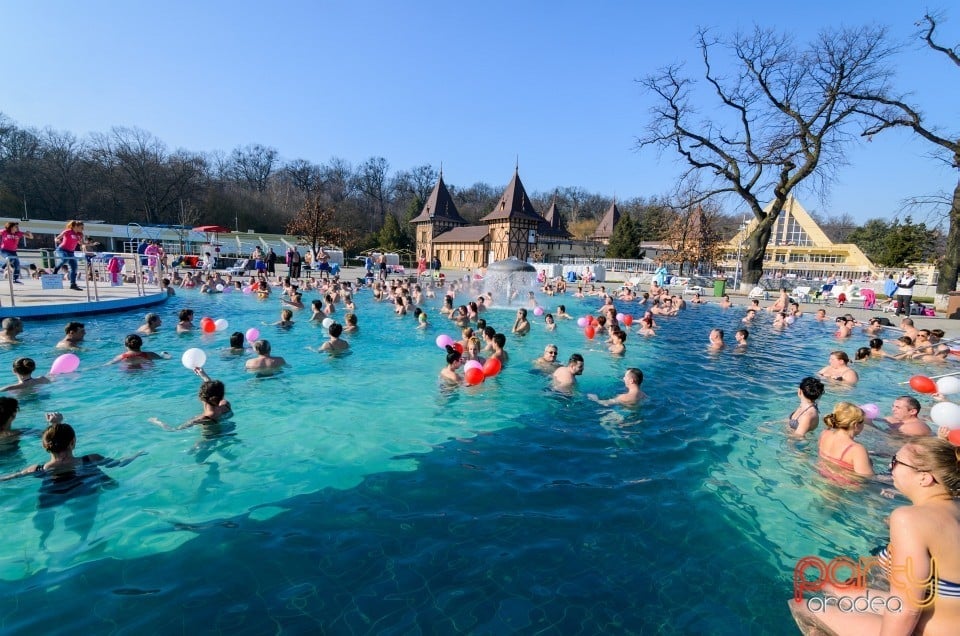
(948, 385)
(221, 324)
(193, 358)
(327, 322)
(219, 288)
(946, 414)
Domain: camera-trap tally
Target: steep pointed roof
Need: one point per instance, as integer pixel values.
(513, 204)
(553, 223)
(439, 204)
(608, 222)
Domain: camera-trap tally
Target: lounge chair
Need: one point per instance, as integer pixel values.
(823, 293)
(802, 294)
(758, 292)
(239, 268)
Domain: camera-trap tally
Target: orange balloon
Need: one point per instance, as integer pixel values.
(589, 332)
(473, 376)
(954, 437)
(923, 384)
(491, 367)
(628, 320)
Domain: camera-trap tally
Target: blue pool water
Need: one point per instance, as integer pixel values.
(357, 496)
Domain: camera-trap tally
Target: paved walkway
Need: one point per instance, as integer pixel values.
(30, 301)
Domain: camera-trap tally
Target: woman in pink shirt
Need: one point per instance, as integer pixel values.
(67, 243)
(10, 238)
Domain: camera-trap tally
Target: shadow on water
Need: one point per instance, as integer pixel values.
(559, 528)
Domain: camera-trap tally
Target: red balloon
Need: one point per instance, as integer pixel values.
(589, 332)
(594, 322)
(473, 375)
(954, 437)
(491, 367)
(923, 384)
(207, 325)
(458, 347)
(628, 320)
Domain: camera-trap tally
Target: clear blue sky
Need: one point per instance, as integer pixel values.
(472, 85)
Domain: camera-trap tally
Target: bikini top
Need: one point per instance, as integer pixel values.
(944, 588)
(839, 460)
(795, 422)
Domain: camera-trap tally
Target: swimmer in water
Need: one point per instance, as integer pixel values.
(807, 415)
(838, 370)
(151, 323)
(632, 379)
(264, 361)
(565, 377)
(716, 340)
(335, 344)
(73, 336)
(11, 328)
(23, 368)
(454, 362)
(548, 361)
(134, 356)
(186, 321)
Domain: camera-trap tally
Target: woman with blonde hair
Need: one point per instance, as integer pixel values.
(837, 445)
(922, 560)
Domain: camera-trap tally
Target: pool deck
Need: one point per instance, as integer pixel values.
(32, 302)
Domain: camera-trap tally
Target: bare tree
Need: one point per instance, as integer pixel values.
(372, 183)
(252, 166)
(781, 118)
(894, 112)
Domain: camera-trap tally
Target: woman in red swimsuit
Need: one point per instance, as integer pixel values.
(837, 446)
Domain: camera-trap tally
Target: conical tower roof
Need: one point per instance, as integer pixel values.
(553, 223)
(439, 205)
(513, 204)
(608, 222)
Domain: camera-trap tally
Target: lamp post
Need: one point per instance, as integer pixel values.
(736, 275)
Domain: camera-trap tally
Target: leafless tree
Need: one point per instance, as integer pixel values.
(252, 166)
(780, 118)
(888, 111)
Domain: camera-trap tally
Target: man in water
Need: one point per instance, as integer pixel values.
(73, 336)
(632, 379)
(548, 361)
(905, 418)
(566, 377)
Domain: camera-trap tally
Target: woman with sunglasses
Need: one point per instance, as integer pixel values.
(922, 560)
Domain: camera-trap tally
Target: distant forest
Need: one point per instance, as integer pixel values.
(129, 175)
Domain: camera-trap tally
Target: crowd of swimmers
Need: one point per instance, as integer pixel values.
(925, 469)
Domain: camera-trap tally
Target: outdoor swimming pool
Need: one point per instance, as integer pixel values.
(357, 496)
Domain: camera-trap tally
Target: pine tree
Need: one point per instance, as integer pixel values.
(625, 240)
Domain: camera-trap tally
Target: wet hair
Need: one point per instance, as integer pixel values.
(907, 340)
(335, 330)
(185, 314)
(743, 332)
(941, 459)
(351, 319)
(876, 343)
(262, 347)
(500, 339)
(212, 391)
(489, 332)
(236, 340)
(910, 401)
(452, 355)
(286, 314)
(601, 321)
(522, 312)
(58, 437)
(719, 332)
(8, 408)
(317, 304)
(481, 324)
(133, 341)
(547, 317)
(862, 353)
(621, 334)
(24, 366)
(811, 388)
(845, 416)
(72, 327)
(636, 374)
(11, 323)
(841, 355)
(151, 318)
(937, 333)
(574, 357)
(562, 308)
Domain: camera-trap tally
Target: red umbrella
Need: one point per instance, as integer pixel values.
(214, 229)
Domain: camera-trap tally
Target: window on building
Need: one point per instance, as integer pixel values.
(461, 256)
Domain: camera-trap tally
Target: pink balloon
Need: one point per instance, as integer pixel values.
(472, 364)
(443, 341)
(538, 311)
(252, 334)
(582, 322)
(247, 289)
(619, 317)
(67, 363)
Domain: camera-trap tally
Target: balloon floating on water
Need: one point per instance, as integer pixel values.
(252, 334)
(946, 414)
(221, 324)
(66, 363)
(948, 385)
(923, 384)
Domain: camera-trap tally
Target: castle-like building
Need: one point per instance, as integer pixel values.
(513, 228)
